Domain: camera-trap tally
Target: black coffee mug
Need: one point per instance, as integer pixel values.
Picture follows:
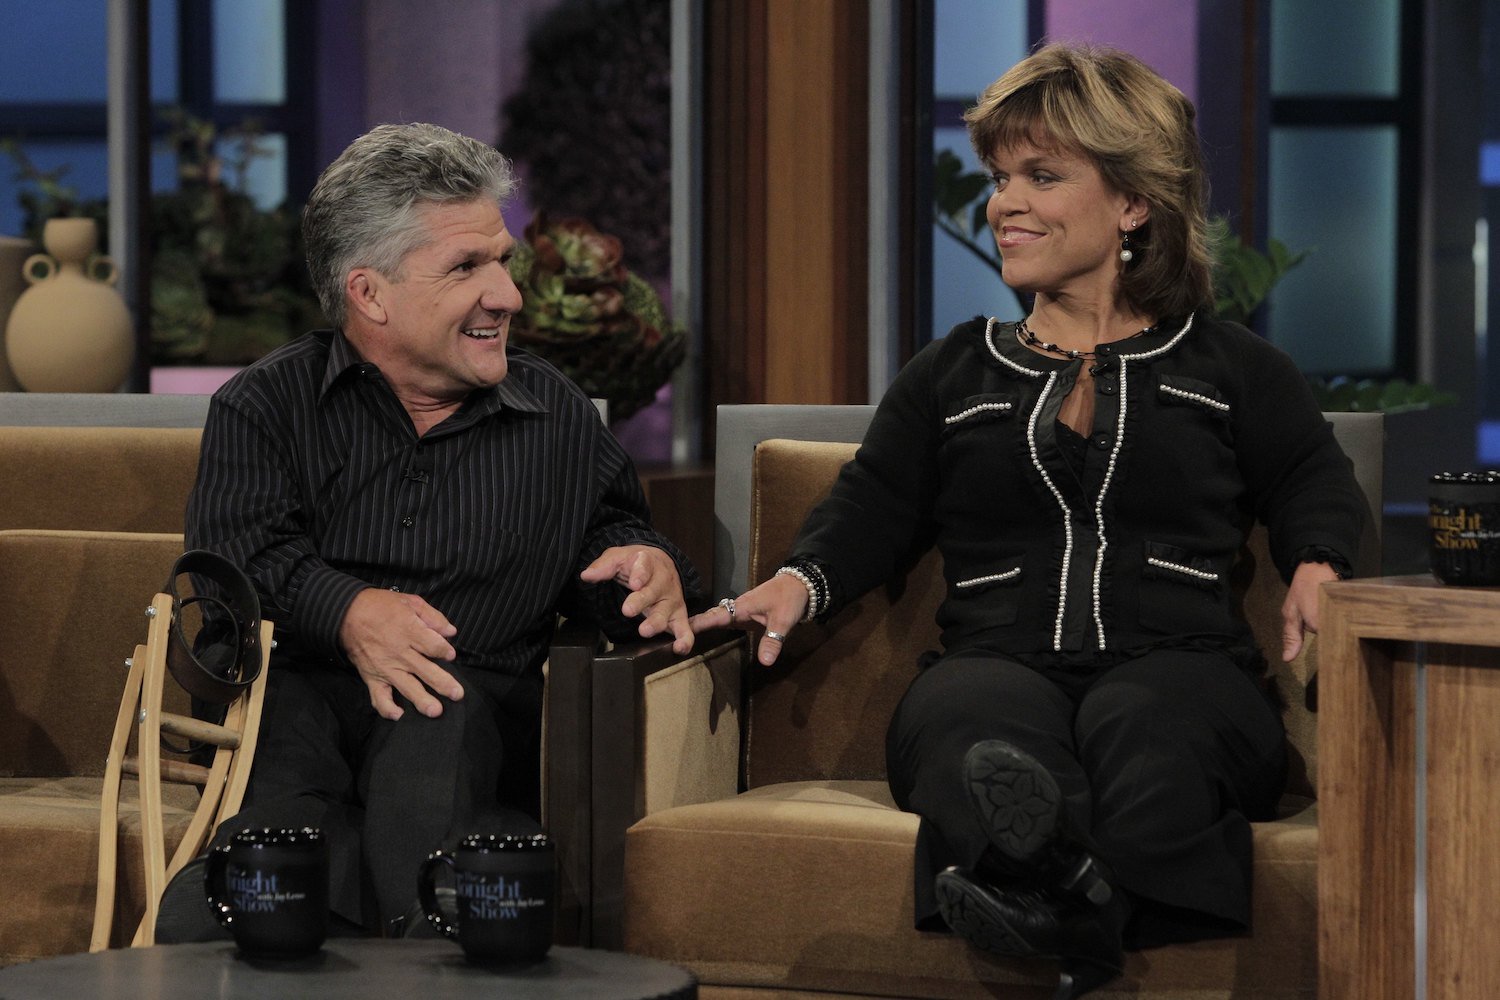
(504, 886)
(270, 889)
(1463, 519)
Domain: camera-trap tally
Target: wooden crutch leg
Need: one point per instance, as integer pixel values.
(223, 782)
(230, 772)
(109, 806)
(147, 764)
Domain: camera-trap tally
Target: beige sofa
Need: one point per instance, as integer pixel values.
(801, 884)
(90, 523)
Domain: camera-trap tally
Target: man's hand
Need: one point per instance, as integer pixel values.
(1299, 612)
(655, 590)
(396, 641)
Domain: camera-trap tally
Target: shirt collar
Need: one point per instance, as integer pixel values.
(344, 360)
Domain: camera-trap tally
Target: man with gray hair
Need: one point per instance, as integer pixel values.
(415, 503)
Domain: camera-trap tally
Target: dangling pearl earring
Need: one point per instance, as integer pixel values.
(1127, 254)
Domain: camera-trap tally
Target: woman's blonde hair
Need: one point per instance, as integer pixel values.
(1138, 130)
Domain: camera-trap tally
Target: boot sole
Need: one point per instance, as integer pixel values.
(1021, 807)
(973, 916)
(1017, 800)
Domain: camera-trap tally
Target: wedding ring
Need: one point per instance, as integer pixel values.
(778, 636)
(728, 605)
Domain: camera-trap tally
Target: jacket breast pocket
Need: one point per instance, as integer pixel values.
(995, 593)
(1180, 591)
(973, 412)
(1204, 397)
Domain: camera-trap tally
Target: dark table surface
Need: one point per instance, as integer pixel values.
(346, 969)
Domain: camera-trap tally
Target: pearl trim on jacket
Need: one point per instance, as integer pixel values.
(1109, 474)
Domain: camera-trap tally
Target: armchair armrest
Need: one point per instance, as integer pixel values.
(566, 776)
(659, 729)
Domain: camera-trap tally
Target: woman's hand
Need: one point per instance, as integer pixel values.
(776, 605)
(1299, 612)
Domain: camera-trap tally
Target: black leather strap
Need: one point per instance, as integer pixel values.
(226, 666)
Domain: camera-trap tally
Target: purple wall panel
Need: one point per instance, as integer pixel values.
(1163, 33)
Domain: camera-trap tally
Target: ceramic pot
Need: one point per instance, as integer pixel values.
(70, 331)
(13, 254)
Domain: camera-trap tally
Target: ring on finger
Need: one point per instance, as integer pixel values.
(728, 605)
(773, 634)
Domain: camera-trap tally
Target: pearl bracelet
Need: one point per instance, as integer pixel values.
(813, 602)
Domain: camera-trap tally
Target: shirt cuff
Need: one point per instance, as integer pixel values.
(324, 600)
(1324, 554)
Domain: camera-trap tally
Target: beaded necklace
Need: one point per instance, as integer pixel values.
(1023, 332)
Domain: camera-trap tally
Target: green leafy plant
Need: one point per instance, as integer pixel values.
(228, 283)
(592, 317)
(1344, 394)
(43, 194)
(591, 120)
(1243, 276)
(959, 199)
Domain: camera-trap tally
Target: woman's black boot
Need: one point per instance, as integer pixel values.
(1021, 809)
(1021, 922)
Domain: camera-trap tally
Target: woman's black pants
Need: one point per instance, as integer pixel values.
(1163, 760)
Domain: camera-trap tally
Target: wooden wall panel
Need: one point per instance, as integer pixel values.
(785, 198)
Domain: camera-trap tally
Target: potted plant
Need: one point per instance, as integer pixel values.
(591, 316)
(228, 282)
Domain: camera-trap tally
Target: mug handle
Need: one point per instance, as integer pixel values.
(428, 895)
(213, 883)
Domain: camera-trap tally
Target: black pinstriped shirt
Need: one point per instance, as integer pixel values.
(313, 479)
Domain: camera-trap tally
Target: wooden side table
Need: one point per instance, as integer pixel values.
(1381, 638)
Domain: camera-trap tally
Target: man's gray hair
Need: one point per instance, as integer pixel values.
(366, 208)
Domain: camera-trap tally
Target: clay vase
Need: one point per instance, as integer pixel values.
(13, 254)
(70, 331)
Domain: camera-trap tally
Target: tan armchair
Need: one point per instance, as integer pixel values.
(801, 883)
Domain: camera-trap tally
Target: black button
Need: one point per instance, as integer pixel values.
(395, 590)
(408, 521)
(1101, 441)
(1107, 387)
(1103, 350)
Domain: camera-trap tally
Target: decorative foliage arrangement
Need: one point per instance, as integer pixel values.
(1243, 276)
(589, 315)
(591, 124)
(959, 199)
(228, 281)
(1396, 395)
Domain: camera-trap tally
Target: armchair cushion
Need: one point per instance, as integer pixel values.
(838, 855)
